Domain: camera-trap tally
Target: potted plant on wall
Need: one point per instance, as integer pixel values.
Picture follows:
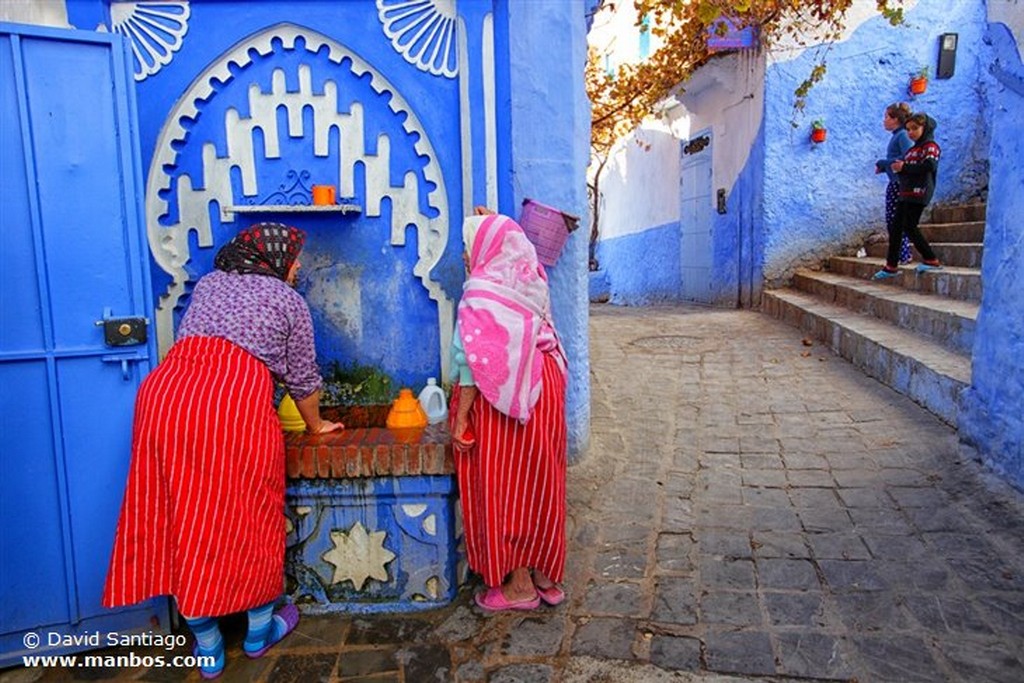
(919, 81)
(818, 131)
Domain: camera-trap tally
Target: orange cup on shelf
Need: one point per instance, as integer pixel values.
(323, 195)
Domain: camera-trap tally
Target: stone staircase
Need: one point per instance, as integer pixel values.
(914, 332)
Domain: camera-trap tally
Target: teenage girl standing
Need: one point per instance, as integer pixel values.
(917, 185)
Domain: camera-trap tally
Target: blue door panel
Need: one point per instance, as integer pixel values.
(31, 523)
(80, 195)
(95, 480)
(20, 309)
(74, 249)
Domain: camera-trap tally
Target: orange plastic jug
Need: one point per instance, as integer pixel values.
(406, 411)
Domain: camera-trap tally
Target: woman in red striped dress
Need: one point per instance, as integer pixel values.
(508, 419)
(203, 513)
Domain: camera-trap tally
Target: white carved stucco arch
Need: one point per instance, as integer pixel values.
(169, 244)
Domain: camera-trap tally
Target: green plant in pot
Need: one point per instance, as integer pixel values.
(357, 395)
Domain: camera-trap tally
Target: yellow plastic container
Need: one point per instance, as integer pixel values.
(406, 412)
(291, 419)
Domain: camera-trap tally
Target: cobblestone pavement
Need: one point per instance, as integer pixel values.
(751, 508)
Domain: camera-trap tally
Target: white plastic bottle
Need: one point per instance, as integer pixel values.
(433, 401)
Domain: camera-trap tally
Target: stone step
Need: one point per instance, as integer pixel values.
(947, 321)
(957, 283)
(951, 254)
(913, 365)
(957, 213)
(954, 232)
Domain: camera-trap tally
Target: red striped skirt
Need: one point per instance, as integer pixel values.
(512, 485)
(203, 513)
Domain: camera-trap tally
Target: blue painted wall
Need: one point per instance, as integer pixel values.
(820, 198)
(992, 415)
(642, 268)
(368, 302)
(549, 115)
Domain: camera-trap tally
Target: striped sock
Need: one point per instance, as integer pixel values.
(210, 642)
(261, 623)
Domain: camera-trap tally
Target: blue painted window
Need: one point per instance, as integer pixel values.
(645, 37)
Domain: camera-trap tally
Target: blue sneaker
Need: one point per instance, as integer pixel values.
(884, 274)
(925, 267)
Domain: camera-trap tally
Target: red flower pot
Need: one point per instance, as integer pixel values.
(918, 85)
(818, 135)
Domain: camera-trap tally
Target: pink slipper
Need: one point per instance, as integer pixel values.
(289, 615)
(493, 600)
(552, 595)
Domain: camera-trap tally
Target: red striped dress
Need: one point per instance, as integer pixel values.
(203, 512)
(512, 485)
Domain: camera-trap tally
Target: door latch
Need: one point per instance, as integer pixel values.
(128, 331)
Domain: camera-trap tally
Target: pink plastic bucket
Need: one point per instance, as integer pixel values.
(548, 229)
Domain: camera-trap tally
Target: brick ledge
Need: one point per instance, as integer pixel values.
(368, 452)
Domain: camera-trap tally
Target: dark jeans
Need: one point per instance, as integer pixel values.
(907, 217)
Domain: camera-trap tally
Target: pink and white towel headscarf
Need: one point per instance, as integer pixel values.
(505, 315)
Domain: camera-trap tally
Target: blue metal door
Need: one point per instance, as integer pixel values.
(695, 222)
(73, 254)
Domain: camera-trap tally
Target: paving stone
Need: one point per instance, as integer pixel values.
(369, 661)
(738, 608)
(852, 575)
(470, 672)
(812, 655)
(817, 520)
(766, 497)
(774, 519)
(982, 660)
(940, 613)
(810, 478)
(781, 544)
(459, 625)
(795, 609)
(522, 673)
(890, 547)
(540, 636)
(606, 638)
(387, 629)
(303, 668)
(426, 663)
(675, 601)
(629, 562)
(743, 653)
(764, 477)
(988, 574)
(843, 545)
(937, 519)
(815, 499)
(775, 574)
(727, 574)
(866, 498)
(620, 598)
(675, 553)
(732, 517)
(677, 653)
(1005, 611)
(897, 658)
(918, 574)
(874, 611)
(881, 521)
(724, 543)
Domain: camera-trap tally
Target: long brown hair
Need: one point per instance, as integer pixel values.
(899, 111)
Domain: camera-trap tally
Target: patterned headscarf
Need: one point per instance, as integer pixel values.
(505, 315)
(262, 249)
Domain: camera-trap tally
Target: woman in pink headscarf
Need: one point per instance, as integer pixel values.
(508, 418)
